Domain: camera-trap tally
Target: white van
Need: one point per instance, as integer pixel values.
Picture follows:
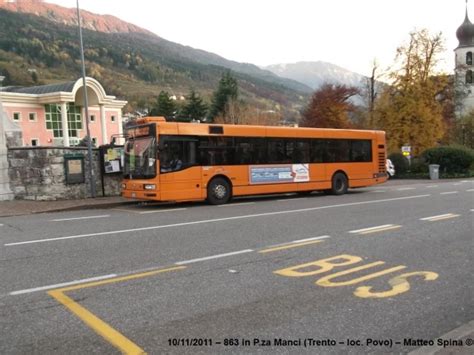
(390, 168)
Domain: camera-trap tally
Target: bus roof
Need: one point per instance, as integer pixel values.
(215, 129)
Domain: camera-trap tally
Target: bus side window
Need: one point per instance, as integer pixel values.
(317, 150)
(301, 152)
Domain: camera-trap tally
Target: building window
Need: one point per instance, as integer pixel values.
(469, 58)
(32, 116)
(16, 116)
(469, 77)
(35, 142)
(74, 122)
(112, 118)
(54, 122)
(92, 118)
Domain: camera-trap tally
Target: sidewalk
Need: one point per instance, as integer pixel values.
(25, 207)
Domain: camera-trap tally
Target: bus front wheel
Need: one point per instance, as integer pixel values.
(218, 191)
(339, 184)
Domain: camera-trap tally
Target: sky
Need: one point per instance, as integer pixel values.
(348, 33)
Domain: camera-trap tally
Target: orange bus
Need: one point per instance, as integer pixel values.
(171, 161)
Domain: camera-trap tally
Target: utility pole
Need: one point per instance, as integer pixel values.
(86, 107)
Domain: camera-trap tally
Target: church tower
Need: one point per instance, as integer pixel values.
(464, 68)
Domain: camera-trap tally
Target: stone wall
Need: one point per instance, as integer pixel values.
(38, 173)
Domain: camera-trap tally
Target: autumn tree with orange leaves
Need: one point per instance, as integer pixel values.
(330, 107)
(410, 110)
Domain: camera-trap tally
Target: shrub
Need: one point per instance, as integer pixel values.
(451, 159)
(400, 162)
(419, 166)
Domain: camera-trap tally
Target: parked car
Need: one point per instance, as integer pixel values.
(390, 168)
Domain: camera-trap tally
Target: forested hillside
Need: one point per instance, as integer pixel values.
(134, 66)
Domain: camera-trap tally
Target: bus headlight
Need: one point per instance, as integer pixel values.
(124, 186)
(149, 186)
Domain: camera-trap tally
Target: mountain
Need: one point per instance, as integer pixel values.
(314, 74)
(66, 16)
(39, 44)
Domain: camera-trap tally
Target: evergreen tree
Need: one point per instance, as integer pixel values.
(164, 106)
(226, 92)
(194, 108)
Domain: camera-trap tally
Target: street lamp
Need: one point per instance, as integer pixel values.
(86, 106)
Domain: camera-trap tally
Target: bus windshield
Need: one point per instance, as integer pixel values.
(140, 158)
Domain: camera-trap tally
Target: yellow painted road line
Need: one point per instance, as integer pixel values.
(115, 338)
(288, 246)
(439, 217)
(119, 279)
(375, 229)
(381, 229)
(125, 345)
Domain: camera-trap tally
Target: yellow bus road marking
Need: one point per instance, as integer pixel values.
(439, 217)
(448, 192)
(167, 210)
(288, 246)
(382, 229)
(375, 229)
(119, 279)
(215, 220)
(293, 244)
(79, 218)
(213, 257)
(49, 287)
(115, 338)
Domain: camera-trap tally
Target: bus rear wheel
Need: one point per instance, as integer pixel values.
(339, 184)
(218, 191)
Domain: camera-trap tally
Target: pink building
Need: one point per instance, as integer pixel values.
(53, 115)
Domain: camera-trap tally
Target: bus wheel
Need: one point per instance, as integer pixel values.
(339, 184)
(218, 191)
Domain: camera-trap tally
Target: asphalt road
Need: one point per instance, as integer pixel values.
(380, 270)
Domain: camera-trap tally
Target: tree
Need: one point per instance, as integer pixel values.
(194, 108)
(164, 106)
(330, 107)
(226, 92)
(409, 109)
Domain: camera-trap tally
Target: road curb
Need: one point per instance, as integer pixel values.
(71, 208)
(464, 331)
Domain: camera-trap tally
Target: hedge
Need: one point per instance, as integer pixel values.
(452, 160)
